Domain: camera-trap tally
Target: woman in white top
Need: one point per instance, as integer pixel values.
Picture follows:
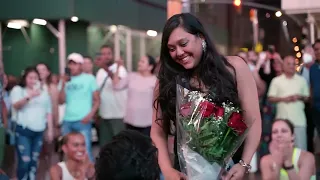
(76, 165)
(32, 114)
(140, 94)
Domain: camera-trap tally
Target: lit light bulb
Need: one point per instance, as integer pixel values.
(74, 19)
(295, 40)
(298, 55)
(278, 13)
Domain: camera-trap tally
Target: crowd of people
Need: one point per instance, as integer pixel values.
(44, 107)
(288, 110)
(134, 112)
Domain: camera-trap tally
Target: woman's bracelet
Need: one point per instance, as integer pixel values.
(243, 164)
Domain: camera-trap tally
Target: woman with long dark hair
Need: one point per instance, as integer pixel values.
(187, 51)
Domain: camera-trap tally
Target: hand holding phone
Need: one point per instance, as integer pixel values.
(67, 71)
(66, 76)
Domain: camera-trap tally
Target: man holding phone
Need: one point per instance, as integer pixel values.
(113, 102)
(80, 94)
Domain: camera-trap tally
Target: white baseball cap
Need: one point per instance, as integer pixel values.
(76, 57)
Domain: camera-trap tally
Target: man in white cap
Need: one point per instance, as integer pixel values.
(80, 94)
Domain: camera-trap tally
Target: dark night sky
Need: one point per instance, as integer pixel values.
(276, 3)
(272, 26)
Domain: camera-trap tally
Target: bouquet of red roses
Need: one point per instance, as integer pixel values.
(208, 134)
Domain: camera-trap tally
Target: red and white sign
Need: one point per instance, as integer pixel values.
(300, 6)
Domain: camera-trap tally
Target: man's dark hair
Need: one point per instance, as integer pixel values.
(316, 42)
(107, 46)
(25, 73)
(88, 57)
(129, 156)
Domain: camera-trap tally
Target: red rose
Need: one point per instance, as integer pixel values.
(207, 108)
(185, 109)
(218, 111)
(237, 124)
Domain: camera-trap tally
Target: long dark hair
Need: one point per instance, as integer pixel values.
(49, 78)
(152, 62)
(25, 74)
(288, 122)
(211, 71)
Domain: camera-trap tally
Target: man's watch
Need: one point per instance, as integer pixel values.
(287, 168)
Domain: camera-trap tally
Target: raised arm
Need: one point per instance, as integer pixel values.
(62, 92)
(120, 78)
(18, 99)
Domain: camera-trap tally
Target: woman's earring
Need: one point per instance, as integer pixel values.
(204, 45)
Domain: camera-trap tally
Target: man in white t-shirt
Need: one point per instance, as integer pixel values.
(113, 102)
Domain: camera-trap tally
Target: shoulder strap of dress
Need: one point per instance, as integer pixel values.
(62, 164)
(296, 156)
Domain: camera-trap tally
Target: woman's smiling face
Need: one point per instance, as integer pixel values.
(185, 48)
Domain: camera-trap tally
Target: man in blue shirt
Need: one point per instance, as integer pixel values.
(79, 92)
(315, 86)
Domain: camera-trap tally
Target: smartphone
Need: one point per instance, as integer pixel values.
(271, 49)
(67, 71)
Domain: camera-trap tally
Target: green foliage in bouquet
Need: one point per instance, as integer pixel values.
(214, 132)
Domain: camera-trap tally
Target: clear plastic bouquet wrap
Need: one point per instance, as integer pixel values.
(208, 134)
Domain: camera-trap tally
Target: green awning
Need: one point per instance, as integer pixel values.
(137, 14)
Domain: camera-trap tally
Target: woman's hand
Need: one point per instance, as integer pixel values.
(173, 174)
(120, 62)
(236, 173)
(286, 147)
(34, 93)
(281, 151)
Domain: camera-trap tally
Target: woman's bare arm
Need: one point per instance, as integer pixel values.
(55, 172)
(307, 167)
(248, 95)
(159, 138)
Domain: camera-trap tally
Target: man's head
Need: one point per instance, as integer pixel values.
(75, 62)
(316, 48)
(106, 56)
(252, 56)
(129, 156)
(74, 146)
(87, 65)
(289, 66)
